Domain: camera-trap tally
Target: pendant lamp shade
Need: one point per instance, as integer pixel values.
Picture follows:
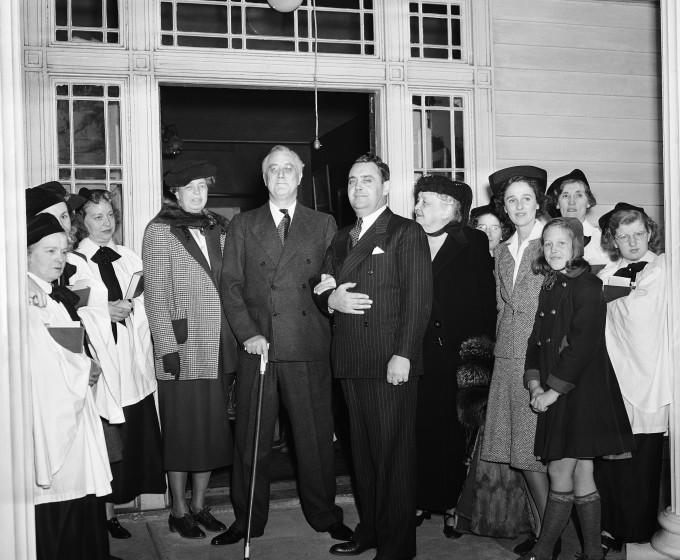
(285, 5)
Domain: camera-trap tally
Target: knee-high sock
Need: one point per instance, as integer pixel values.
(556, 517)
(589, 513)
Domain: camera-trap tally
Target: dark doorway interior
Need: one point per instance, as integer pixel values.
(235, 128)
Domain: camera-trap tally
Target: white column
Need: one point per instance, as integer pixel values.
(17, 531)
(666, 542)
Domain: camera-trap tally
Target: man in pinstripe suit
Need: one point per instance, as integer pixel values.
(381, 266)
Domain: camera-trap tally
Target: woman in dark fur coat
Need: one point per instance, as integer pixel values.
(463, 306)
(194, 349)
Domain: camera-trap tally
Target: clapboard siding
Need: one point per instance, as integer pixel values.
(577, 84)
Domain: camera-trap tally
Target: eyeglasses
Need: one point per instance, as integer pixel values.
(493, 228)
(628, 239)
(287, 169)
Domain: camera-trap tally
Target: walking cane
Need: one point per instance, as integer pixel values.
(256, 444)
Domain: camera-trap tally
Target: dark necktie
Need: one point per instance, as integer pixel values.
(631, 270)
(65, 278)
(104, 258)
(355, 232)
(283, 226)
(67, 298)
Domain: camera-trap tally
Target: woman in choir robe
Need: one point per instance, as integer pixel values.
(71, 462)
(194, 347)
(140, 470)
(637, 340)
(463, 306)
(571, 197)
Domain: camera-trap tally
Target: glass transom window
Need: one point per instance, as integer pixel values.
(89, 137)
(86, 21)
(439, 135)
(344, 26)
(436, 30)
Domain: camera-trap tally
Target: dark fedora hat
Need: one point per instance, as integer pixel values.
(574, 175)
(603, 220)
(500, 177)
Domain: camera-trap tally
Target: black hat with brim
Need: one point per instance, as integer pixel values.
(498, 179)
(73, 201)
(441, 184)
(182, 172)
(41, 226)
(603, 221)
(39, 199)
(574, 175)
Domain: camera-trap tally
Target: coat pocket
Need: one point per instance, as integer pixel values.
(181, 330)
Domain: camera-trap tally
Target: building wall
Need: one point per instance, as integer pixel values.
(577, 84)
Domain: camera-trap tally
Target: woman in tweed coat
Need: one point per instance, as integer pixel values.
(510, 424)
(195, 352)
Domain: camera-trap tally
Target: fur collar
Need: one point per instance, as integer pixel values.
(173, 215)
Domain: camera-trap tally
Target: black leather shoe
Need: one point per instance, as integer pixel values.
(525, 546)
(450, 530)
(186, 526)
(230, 536)
(340, 532)
(349, 548)
(422, 516)
(207, 519)
(116, 530)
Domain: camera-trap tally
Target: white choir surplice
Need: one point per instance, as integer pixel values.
(136, 376)
(71, 460)
(637, 342)
(593, 252)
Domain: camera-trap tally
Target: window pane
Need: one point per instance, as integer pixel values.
(417, 139)
(202, 42)
(339, 48)
(415, 30)
(434, 8)
(166, 16)
(113, 132)
(338, 25)
(113, 91)
(236, 21)
(112, 37)
(458, 135)
(89, 36)
(90, 174)
(63, 131)
(368, 27)
(342, 4)
(62, 89)
(206, 19)
(88, 133)
(437, 101)
(369, 49)
(61, 35)
(440, 126)
(268, 22)
(88, 91)
(61, 15)
(64, 173)
(435, 31)
(86, 13)
(116, 174)
(166, 40)
(436, 53)
(455, 32)
(112, 14)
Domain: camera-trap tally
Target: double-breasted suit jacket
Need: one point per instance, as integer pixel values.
(267, 290)
(390, 263)
(463, 306)
(510, 423)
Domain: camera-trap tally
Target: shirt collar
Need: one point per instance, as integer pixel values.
(278, 215)
(88, 247)
(536, 232)
(368, 221)
(44, 286)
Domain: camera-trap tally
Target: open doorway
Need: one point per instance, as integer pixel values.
(235, 128)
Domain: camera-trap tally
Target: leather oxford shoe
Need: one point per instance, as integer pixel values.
(230, 536)
(207, 519)
(349, 548)
(340, 532)
(116, 530)
(185, 526)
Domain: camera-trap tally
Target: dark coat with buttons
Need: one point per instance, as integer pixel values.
(567, 353)
(266, 286)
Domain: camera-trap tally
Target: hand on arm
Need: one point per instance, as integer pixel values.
(349, 302)
(542, 401)
(398, 369)
(327, 283)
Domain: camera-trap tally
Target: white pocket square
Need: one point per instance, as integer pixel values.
(377, 251)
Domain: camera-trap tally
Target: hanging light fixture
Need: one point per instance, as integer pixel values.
(285, 5)
(317, 143)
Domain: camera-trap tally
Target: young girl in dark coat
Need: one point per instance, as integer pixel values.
(573, 388)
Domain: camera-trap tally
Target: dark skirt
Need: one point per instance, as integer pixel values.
(72, 530)
(194, 424)
(141, 469)
(440, 442)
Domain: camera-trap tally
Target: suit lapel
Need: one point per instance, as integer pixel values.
(455, 242)
(525, 263)
(264, 231)
(297, 234)
(212, 238)
(185, 238)
(375, 236)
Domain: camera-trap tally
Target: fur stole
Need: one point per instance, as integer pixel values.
(173, 215)
(473, 376)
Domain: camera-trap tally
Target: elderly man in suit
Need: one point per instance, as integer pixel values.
(381, 266)
(270, 255)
